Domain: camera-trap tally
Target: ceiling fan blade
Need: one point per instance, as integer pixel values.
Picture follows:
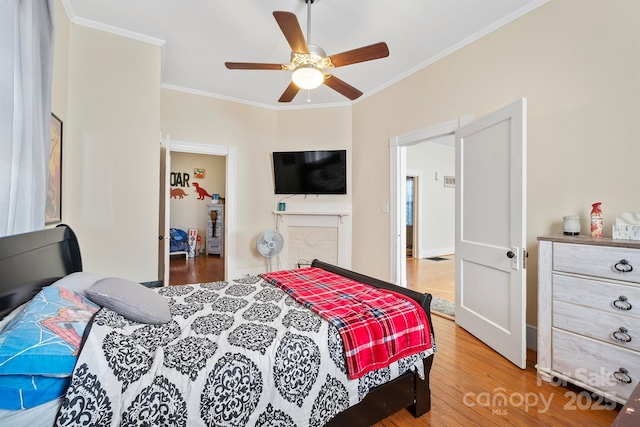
(292, 32)
(341, 87)
(362, 54)
(289, 93)
(252, 66)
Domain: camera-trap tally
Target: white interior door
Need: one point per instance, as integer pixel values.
(164, 234)
(491, 230)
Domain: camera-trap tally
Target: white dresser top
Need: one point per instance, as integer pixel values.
(596, 241)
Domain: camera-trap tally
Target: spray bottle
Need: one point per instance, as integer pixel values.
(596, 220)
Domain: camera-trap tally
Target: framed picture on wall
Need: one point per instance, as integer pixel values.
(449, 181)
(53, 210)
(198, 173)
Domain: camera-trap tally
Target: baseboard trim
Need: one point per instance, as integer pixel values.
(246, 272)
(427, 253)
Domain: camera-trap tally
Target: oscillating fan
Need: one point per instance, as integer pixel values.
(269, 244)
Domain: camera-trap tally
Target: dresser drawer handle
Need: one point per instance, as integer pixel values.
(623, 266)
(622, 375)
(622, 335)
(621, 303)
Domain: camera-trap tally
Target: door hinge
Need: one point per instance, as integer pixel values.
(525, 255)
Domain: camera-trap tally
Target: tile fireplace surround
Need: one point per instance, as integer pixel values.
(315, 230)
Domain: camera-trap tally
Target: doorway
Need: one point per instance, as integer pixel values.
(411, 214)
(399, 147)
(230, 155)
(430, 219)
(194, 178)
(500, 135)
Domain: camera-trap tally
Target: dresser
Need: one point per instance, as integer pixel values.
(215, 229)
(589, 313)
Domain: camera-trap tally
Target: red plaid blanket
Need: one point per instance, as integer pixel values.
(377, 326)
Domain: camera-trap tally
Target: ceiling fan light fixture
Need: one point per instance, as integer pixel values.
(307, 76)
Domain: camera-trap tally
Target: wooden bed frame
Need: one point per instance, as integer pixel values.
(31, 261)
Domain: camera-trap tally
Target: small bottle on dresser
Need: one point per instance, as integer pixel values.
(596, 220)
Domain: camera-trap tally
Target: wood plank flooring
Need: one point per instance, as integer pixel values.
(204, 268)
(471, 385)
(435, 277)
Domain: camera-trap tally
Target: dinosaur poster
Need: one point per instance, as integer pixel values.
(202, 193)
(177, 193)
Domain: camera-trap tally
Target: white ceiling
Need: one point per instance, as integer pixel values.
(198, 36)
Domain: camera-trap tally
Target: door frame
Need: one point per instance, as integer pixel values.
(230, 153)
(397, 194)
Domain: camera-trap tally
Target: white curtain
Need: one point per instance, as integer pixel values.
(26, 68)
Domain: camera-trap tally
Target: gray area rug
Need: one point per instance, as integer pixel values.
(443, 306)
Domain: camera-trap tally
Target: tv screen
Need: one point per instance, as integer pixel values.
(310, 172)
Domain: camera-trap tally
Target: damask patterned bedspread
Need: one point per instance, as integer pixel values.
(236, 353)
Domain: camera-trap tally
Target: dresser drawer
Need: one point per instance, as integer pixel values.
(598, 261)
(213, 241)
(596, 294)
(598, 325)
(594, 363)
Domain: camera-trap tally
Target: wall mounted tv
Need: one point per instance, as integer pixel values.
(310, 172)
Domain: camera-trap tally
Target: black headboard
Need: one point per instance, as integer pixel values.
(30, 261)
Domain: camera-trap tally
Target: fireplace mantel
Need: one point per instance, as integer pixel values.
(302, 217)
(281, 215)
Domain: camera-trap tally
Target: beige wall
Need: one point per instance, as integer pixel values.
(576, 62)
(578, 65)
(111, 150)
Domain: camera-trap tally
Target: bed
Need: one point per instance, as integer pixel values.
(32, 262)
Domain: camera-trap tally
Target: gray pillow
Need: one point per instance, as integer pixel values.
(132, 300)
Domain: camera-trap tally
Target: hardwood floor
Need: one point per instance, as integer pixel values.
(471, 385)
(423, 275)
(204, 268)
(435, 277)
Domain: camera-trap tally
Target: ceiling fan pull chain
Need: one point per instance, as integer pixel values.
(308, 95)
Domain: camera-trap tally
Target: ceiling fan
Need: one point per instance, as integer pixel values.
(309, 62)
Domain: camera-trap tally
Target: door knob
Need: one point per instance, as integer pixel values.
(510, 254)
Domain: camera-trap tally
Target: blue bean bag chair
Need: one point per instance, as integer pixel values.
(178, 240)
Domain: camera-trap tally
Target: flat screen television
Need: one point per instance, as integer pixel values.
(310, 172)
